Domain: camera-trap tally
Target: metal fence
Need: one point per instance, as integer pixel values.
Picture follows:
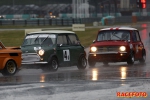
(69, 22)
(39, 22)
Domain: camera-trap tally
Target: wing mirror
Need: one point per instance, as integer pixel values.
(59, 45)
(93, 41)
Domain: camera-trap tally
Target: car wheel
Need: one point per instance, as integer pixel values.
(82, 63)
(91, 63)
(143, 59)
(131, 59)
(53, 64)
(10, 68)
(105, 63)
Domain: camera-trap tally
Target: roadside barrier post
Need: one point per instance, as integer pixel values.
(38, 22)
(1, 22)
(62, 22)
(50, 21)
(44, 22)
(13, 21)
(25, 22)
(73, 20)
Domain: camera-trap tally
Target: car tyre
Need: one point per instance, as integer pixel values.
(131, 59)
(143, 59)
(105, 63)
(51, 66)
(10, 68)
(82, 63)
(91, 63)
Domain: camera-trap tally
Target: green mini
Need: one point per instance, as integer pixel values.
(54, 48)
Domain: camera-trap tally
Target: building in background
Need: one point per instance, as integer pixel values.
(70, 8)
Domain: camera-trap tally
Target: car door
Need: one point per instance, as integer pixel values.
(75, 48)
(63, 50)
(140, 44)
(137, 44)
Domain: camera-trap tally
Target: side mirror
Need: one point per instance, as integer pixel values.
(93, 41)
(78, 43)
(59, 45)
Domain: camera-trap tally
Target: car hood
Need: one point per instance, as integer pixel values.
(12, 47)
(110, 43)
(8, 50)
(30, 49)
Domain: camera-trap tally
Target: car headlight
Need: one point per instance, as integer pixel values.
(41, 52)
(122, 48)
(93, 49)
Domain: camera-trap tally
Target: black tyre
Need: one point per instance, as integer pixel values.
(91, 63)
(52, 65)
(82, 63)
(10, 68)
(105, 63)
(143, 59)
(131, 59)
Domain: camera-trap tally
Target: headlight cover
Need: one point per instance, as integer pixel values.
(93, 49)
(41, 52)
(122, 48)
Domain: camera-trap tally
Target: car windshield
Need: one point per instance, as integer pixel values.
(113, 35)
(44, 39)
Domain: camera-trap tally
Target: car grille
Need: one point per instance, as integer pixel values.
(30, 57)
(108, 49)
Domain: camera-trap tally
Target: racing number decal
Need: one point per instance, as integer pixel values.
(66, 55)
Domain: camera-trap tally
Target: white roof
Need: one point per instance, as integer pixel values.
(119, 28)
(52, 31)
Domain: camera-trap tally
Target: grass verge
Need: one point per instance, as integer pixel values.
(15, 37)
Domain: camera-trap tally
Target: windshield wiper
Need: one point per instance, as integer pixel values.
(116, 35)
(44, 40)
(36, 39)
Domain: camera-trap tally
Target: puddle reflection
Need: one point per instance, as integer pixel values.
(123, 71)
(42, 78)
(94, 74)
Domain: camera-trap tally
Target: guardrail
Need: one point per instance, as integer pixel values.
(38, 22)
(70, 21)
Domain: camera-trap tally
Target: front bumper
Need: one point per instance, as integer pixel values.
(34, 62)
(109, 56)
(32, 58)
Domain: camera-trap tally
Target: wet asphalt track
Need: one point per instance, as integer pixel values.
(70, 79)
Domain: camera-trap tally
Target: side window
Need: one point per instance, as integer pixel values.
(62, 39)
(137, 35)
(73, 40)
(134, 38)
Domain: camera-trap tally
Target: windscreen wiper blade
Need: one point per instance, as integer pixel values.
(44, 40)
(36, 38)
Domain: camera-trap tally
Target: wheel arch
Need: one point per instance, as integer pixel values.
(82, 54)
(132, 51)
(51, 56)
(6, 60)
(144, 50)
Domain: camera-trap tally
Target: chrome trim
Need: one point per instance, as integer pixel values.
(107, 52)
(34, 62)
(30, 57)
(29, 53)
